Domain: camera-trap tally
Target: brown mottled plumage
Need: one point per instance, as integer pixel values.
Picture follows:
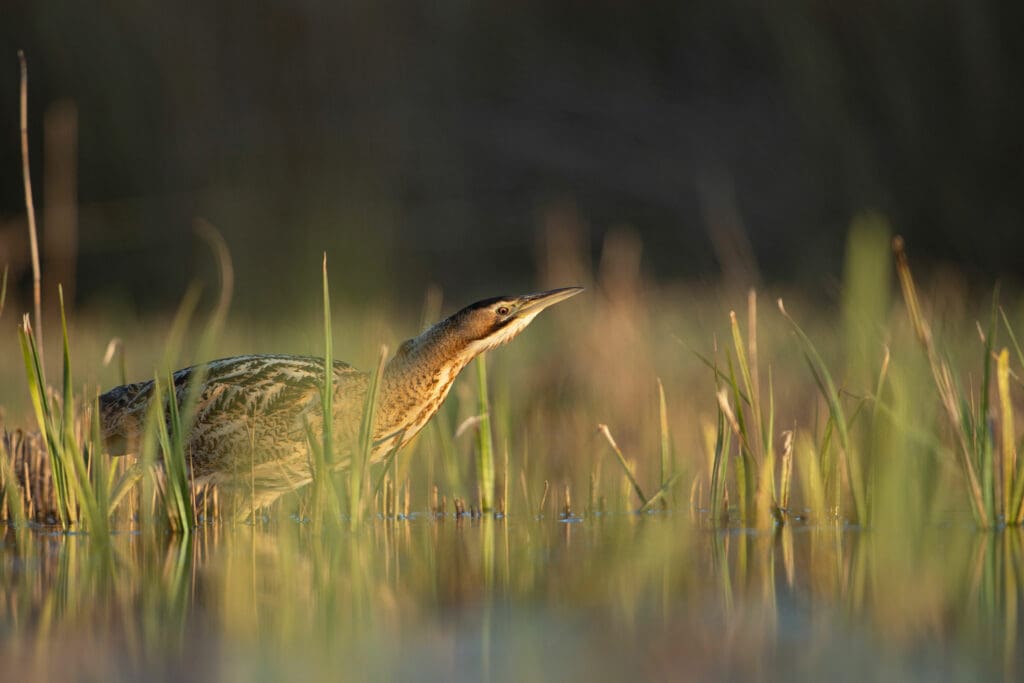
(250, 426)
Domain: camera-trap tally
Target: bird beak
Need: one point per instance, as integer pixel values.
(532, 304)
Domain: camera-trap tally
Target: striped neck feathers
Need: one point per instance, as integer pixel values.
(417, 379)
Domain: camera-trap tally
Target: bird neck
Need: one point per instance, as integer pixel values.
(417, 379)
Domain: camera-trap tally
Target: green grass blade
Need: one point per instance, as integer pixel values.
(328, 387)
(1013, 337)
(720, 462)
(45, 419)
(74, 459)
(719, 374)
(389, 461)
(665, 441)
(828, 390)
(442, 429)
(94, 516)
(983, 446)
(741, 360)
(68, 397)
(746, 467)
(786, 478)
(361, 461)
(811, 479)
(158, 420)
(175, 460)
(720, 467)
(951, 397)
(625, 466)
(662, 492)
(485, 440)
(1008, 451)
(325, 496)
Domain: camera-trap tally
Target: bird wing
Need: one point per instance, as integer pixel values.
(261, 405)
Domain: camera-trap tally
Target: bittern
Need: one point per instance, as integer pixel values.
(256, 415)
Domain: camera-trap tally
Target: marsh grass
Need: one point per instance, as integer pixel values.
(87, 489)
(985, 437)
(325, 496)
(485, 439)
(359, 477)
(49, 420)
(796, 422)
(627, 468)
(82, 493)
(327, 458)
(14, 509)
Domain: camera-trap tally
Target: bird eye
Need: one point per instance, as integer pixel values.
(502, 310)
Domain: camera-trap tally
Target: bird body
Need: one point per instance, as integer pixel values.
(254, 415)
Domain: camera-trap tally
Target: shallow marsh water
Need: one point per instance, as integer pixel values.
(614, 597)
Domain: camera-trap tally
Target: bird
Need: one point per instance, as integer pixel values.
(255, 415)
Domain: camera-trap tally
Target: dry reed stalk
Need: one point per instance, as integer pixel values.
(787, 469)
(944, 381)
(30, 210)
(1007, 434)
(26, 462)
(3, 290)
(622, 461)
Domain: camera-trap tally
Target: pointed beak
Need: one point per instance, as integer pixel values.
(532, 304)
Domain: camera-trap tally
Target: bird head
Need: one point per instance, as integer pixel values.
(493, 322)
(418, 377)
(481, 326)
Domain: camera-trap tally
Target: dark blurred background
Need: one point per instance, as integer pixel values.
(444, 142)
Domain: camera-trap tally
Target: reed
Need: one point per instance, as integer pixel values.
(967, 416)
(485, 440)
(49, 418)
(358, 478)
(837, 423)
(763, 461)
(325, 503)
(13, 507)
(626, 468)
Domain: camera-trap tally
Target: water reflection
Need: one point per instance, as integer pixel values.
(609, 598)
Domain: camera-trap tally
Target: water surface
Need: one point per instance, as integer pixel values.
(615, 597)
